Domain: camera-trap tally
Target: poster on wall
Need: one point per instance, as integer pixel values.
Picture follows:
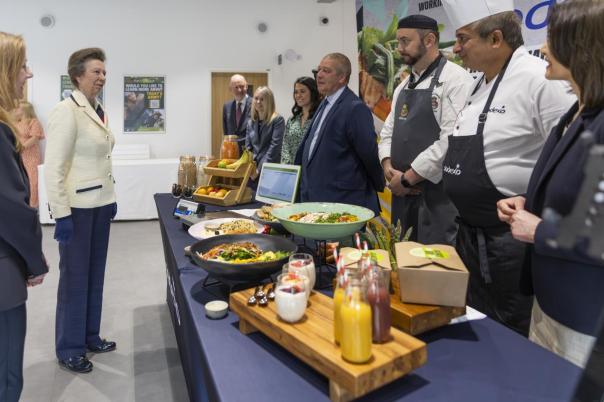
(144, 104)
(381, 68)
(67, 87)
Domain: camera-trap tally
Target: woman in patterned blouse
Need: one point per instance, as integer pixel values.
(306, 101)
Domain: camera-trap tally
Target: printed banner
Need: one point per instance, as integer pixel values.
(67, 87)
(380, 67)
(144, 104)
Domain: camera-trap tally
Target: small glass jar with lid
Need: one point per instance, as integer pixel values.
(187, 172)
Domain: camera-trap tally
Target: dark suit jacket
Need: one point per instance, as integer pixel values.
(568, 284)
(265, 142)
(229, 125)
(20, 233)
(344, 166)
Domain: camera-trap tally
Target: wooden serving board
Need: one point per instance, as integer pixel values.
(415, 319)
(312, 341)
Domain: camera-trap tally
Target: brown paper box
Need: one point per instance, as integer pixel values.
(431, 274)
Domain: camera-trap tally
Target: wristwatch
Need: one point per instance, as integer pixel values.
(405, 183)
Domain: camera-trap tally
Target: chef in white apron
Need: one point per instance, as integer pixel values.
(494, 146)
(425, 107)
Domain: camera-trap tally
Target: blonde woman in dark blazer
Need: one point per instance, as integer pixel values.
(264, 134)
(21, 261)
(79, 182)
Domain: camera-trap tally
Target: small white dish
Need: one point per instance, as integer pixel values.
(216, 309)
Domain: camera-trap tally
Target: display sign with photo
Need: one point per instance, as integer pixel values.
(67, 87)
(144, 104)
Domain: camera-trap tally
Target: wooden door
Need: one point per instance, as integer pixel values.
(221, 94)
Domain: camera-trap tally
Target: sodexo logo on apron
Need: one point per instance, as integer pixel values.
(495, 109)
(450, 170)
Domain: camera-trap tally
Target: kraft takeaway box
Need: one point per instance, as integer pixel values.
(431, 274)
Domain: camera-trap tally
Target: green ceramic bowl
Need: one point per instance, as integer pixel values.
(322, 231)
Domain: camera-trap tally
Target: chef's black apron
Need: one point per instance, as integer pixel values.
(431, 213)
(485, 244)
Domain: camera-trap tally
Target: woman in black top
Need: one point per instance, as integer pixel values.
(568, 284)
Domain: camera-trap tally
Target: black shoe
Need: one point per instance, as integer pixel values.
(104, 346)
(77, 364)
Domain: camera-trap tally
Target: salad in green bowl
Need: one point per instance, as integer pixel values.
(322, 220)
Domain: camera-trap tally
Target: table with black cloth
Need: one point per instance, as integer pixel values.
(478, 360)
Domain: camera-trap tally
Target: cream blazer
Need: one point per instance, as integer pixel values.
(78, 157)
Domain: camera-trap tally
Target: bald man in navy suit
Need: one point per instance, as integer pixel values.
(236, 113)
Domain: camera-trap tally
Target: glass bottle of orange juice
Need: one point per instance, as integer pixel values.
(356, 324)
(338, 298)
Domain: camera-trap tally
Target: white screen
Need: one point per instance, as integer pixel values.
(278, 183)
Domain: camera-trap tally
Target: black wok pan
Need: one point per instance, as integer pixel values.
(243, 272)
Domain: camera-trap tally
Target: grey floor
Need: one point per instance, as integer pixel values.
(146, 365)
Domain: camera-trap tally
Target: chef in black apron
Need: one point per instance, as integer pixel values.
(503, 108)
(413, 127)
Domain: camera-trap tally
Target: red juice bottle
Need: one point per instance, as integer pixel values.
(379, 300)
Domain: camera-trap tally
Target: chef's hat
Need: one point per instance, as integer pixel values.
(464, 12)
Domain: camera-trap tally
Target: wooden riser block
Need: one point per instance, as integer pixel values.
(415, 319)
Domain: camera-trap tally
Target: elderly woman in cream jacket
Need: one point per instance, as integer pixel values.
(80, 189)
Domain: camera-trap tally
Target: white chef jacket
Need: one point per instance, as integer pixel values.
(524, 110)
(449, 96)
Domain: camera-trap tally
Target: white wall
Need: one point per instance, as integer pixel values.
(185, 40)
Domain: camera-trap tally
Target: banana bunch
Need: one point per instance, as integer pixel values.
(245, 158)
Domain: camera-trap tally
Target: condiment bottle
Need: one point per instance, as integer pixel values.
(191, 173)
(182, 175)
(379, 300)
(356, 324)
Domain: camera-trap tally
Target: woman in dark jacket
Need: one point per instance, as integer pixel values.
(568, 284)
(264, 134)
(21, 261)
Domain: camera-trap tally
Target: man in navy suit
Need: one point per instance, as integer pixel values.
(236, 113)
(339, 153)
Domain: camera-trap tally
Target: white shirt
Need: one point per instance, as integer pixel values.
(524, 110)
(241, 104)
(450, 98)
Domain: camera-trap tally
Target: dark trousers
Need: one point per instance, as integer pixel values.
(495, 292)
(12, 341)
(82, 275)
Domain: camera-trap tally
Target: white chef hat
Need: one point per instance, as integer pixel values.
(464, 12)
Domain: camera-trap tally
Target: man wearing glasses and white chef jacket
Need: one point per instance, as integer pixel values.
(494, 146)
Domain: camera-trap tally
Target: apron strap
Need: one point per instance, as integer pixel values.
(435, 64)
(482, 256)
(436, 77)
(482, 119)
